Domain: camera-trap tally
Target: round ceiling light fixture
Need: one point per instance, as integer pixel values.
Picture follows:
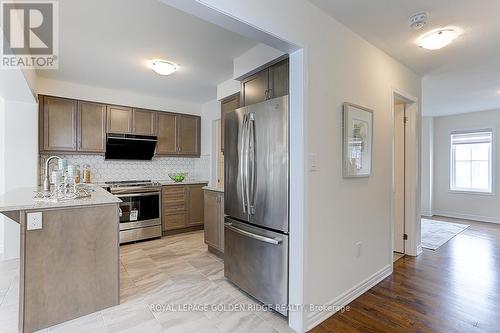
(163, 67)
(438, 39)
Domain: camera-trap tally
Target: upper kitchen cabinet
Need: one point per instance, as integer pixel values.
(278, 79)
(167, 134)
(91, 127)
(268, 83)
(188, 135)
(144, 122)
(58, 124)
(228, 104)
(254, 88)
(120, 119)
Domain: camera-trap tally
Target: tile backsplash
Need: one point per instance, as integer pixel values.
(157, 169)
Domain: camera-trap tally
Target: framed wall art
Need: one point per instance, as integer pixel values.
(357, 141)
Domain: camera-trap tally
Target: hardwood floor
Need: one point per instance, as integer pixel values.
(453, 289)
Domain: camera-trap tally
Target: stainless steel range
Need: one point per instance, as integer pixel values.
(140, 210)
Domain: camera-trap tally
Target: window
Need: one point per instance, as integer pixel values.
(471, 161)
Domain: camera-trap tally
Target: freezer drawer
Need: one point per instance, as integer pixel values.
(256, 260)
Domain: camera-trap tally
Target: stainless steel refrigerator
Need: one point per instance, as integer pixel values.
(256, 200)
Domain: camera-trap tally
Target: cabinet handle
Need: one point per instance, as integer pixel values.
(269, 93)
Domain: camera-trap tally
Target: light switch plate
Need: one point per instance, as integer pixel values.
(313, 165)
(34, 221)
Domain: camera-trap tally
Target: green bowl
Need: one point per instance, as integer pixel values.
(177, 177)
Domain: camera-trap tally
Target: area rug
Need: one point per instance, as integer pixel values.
(436, 233)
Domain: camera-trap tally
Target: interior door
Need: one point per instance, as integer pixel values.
(399, 177)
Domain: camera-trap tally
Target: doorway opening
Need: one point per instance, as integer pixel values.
(404, 175)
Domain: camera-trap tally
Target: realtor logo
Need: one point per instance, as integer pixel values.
(30, 31)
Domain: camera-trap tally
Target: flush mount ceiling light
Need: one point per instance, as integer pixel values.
(437, 39)
(163, 67)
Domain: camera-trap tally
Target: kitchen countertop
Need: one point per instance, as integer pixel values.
(22, 199)
(214, 188)
(185, 182)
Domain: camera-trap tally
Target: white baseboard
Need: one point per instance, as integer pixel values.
(426, 213)
(419, 249)
(316, 318)
(467, 216)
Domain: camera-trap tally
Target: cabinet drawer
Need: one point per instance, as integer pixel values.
(174, 221)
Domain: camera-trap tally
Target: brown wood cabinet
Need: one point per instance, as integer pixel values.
(167, 134)
(182, 207)
(214, 220)
(91, 127)
(58, 124)
(143, 122)
(178, 135)
(71, 126)
(228, 104)
(270, 82)
(188, 135)
(120, 119)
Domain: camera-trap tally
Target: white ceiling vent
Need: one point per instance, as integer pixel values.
(418, 20)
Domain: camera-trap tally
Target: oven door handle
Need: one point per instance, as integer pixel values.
(136, 194)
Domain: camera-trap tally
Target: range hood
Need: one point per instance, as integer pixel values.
(130, 147)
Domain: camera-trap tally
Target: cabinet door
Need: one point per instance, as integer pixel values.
(211, 217)
(167, 134)
(227, 105)
(174, 207)
(119, 119)
(59, 124)
(278, 79)
(91, 127)
(188, 135)
(254, 88)
(195, 205)
(144, 122)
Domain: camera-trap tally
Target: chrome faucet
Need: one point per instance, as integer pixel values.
(46, 182)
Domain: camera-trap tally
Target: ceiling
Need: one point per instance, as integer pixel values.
(463, 77)
(108, 44)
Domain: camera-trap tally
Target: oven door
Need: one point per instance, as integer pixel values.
(138, 210)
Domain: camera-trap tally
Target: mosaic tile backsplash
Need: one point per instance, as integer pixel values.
(156, 169)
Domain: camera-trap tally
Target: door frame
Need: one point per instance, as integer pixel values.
(412, 245)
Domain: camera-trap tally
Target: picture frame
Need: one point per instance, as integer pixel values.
(357, 129)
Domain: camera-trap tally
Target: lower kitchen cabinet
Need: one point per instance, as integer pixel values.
(214, 221)
(182, 208)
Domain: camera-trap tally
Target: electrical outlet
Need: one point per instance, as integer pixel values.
(34, 221)
(359, 249)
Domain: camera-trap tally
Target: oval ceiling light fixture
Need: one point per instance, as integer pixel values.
(438, 39)
(163, 67)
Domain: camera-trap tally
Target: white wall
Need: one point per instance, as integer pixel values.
(210, 112)
(2, 172)
(112, 96)
(339, 66)
(257, 56)
(427, 151)
(473, 206)
(228, 88)
(19, 128)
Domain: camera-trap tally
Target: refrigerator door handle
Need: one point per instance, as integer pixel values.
(251, 180)
(275, 241)
(243, 171)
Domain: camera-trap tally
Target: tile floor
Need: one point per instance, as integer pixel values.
(173, 271)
